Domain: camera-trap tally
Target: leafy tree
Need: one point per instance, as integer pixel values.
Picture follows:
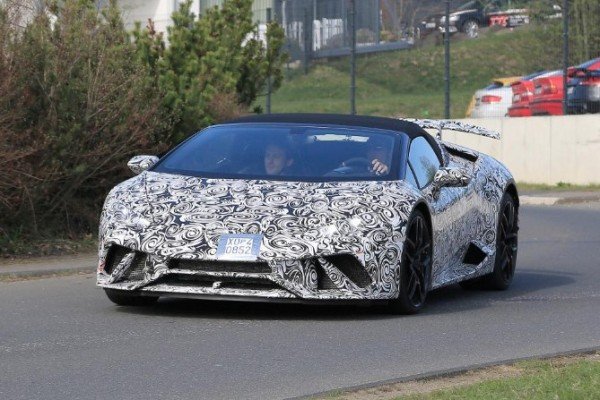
(75, 105)
(210, 60)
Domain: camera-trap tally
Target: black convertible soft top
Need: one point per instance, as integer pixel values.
(390, 124)
(411, 129)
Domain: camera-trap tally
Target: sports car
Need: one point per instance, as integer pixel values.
(310, 208)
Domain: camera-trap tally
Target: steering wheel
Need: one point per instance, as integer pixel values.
(357, 162)
(351, 167)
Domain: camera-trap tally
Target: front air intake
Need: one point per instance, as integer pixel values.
(114, 257)
(352, 268)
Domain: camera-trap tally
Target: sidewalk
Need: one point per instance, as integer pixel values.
(44, 266)
(549, 198)
(87, 262)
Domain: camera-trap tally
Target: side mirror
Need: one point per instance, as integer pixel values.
(451, 177)
(139, 164)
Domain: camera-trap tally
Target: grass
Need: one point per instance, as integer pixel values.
(410, 82)
(18, 246)
(540, 380)
(566, 377)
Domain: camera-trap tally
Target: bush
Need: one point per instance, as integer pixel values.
(79, 98)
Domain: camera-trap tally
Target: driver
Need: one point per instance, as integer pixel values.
(378, 155)
(278, 159)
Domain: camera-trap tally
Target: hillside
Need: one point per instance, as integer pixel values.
(410, 82)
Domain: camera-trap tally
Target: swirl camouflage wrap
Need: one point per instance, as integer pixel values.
(171, 233)
(327, 240)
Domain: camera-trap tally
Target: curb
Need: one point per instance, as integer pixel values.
(46, 272)
(442, 373)
(553, 200)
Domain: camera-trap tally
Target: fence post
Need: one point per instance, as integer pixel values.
(268, 103)
(447, 62)
(565, 15)
(307, 44)
(353, 57)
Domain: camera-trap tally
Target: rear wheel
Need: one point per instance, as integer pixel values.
(123, 298)
(415, 266)
(506, 245)
(506, 250)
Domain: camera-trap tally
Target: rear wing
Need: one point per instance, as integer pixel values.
(441, 124)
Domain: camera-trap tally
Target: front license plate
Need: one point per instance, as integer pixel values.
(430, 25)
(570, 90)
(239, 247)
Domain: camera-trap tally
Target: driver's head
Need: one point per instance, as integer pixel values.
(277, 158)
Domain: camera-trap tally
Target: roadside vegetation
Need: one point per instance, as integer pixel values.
(574, 377)
(80, 95)
(411, 82)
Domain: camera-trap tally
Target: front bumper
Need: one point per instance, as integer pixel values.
(332, 277)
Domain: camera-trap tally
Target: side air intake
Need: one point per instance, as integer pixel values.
(474, 255)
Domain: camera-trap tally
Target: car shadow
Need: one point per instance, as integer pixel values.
(526, 283)
(450, 299)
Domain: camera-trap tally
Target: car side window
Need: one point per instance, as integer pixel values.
(423, 160)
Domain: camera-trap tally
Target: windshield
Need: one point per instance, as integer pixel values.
(292, 152)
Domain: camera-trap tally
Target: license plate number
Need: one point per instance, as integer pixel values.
(238, 247)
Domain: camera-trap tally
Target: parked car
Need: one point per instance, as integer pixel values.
(583, 92)
(548, 91)
(522, 93)
(210, 219)
(471, 16)
(493, 100)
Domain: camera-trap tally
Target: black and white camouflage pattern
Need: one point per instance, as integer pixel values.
(171, 217)
(441, 124)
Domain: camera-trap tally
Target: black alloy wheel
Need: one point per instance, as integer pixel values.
(415, 266)
(506, 245)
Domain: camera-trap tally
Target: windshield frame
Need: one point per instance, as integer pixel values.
(397, 167)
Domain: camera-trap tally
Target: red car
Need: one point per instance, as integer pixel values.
(523, 93)
(548, 91)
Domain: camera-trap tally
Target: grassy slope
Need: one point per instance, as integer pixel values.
(410, 82)
(542, 381)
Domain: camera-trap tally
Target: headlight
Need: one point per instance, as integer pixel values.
(453, 19)
(594, 93)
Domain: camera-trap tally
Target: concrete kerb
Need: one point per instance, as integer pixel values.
(48, 266)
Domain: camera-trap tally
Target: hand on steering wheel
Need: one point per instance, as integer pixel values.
(378, 167)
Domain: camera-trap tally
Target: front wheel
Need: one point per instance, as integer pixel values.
(415, 266)
(471, 28)
(123, 298)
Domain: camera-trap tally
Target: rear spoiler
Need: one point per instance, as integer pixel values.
(441, 124)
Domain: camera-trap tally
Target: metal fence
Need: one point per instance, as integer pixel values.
(322, 28)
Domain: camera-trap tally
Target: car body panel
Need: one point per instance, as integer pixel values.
(167, 222)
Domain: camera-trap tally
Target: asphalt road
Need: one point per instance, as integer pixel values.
(61, 338)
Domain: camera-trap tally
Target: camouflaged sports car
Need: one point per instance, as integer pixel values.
(309, 207)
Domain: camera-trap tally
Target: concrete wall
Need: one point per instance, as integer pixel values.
(542, 149)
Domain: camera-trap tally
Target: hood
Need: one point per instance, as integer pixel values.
(184, 216)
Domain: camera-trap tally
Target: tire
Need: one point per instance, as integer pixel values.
(507, 241)
(415, 267)
(471, 29)
(123, 298)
